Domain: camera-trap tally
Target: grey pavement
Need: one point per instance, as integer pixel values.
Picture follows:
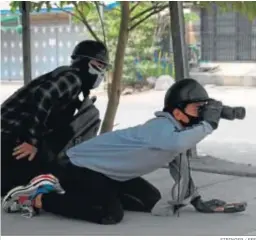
(189, 222)
(236, 74)
(212, 164)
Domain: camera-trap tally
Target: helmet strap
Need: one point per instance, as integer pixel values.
(192, 120)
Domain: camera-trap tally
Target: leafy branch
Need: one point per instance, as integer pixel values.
(155, 11)
(134, 7)
(101, 21)
(84, 20)
(140, 14)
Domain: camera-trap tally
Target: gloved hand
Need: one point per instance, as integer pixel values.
(206, 206)
(211, 113)
(216, 205)
(203, 206)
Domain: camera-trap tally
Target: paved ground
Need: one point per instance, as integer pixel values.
(189, 223)
(236, 74)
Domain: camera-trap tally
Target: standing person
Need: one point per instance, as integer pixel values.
(104, 174)
(44, 105)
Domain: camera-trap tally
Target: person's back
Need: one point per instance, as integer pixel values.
(132, 152)
(20, 110)
(45, 102)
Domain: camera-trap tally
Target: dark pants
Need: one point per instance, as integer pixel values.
(89, 195)
(93, 197)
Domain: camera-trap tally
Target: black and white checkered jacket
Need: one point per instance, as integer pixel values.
(27, 112)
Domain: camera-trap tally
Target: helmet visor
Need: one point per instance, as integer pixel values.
(104, 65)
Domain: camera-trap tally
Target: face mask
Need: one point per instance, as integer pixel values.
(98, 81)
(95, 69)
(192, 120)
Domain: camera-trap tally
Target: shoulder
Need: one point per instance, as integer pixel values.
(156, 128)
(160, 122)
(66, 74)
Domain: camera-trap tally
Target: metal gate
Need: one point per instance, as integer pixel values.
(227, 36)
(51, 46)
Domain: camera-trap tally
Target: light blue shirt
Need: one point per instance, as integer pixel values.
(135, 151)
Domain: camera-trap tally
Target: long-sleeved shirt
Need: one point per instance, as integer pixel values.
(135, 151)
(26, 112)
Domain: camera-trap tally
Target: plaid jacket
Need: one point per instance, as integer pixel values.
(26, 113)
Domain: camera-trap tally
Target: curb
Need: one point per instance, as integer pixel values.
(210, 164)
(225, 172)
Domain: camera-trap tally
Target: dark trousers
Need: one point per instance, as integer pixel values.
(93, 197)
(89, 196)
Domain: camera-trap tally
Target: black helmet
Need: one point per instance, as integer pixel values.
(91, 49)
(185, 91)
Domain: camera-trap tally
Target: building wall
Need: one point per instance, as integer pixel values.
(51, 45)
(227, 36)
(224, 37)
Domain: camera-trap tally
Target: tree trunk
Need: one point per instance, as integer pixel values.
(115, 92)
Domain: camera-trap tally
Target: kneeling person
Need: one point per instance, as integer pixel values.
(43, 107)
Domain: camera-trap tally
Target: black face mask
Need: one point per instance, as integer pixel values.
(192, 120)
(87, 78)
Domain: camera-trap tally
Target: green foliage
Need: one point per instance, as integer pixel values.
(191, 17)
(142, 24)
(14, 5)
(140, 42)
(151, 68)
(148, 68)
